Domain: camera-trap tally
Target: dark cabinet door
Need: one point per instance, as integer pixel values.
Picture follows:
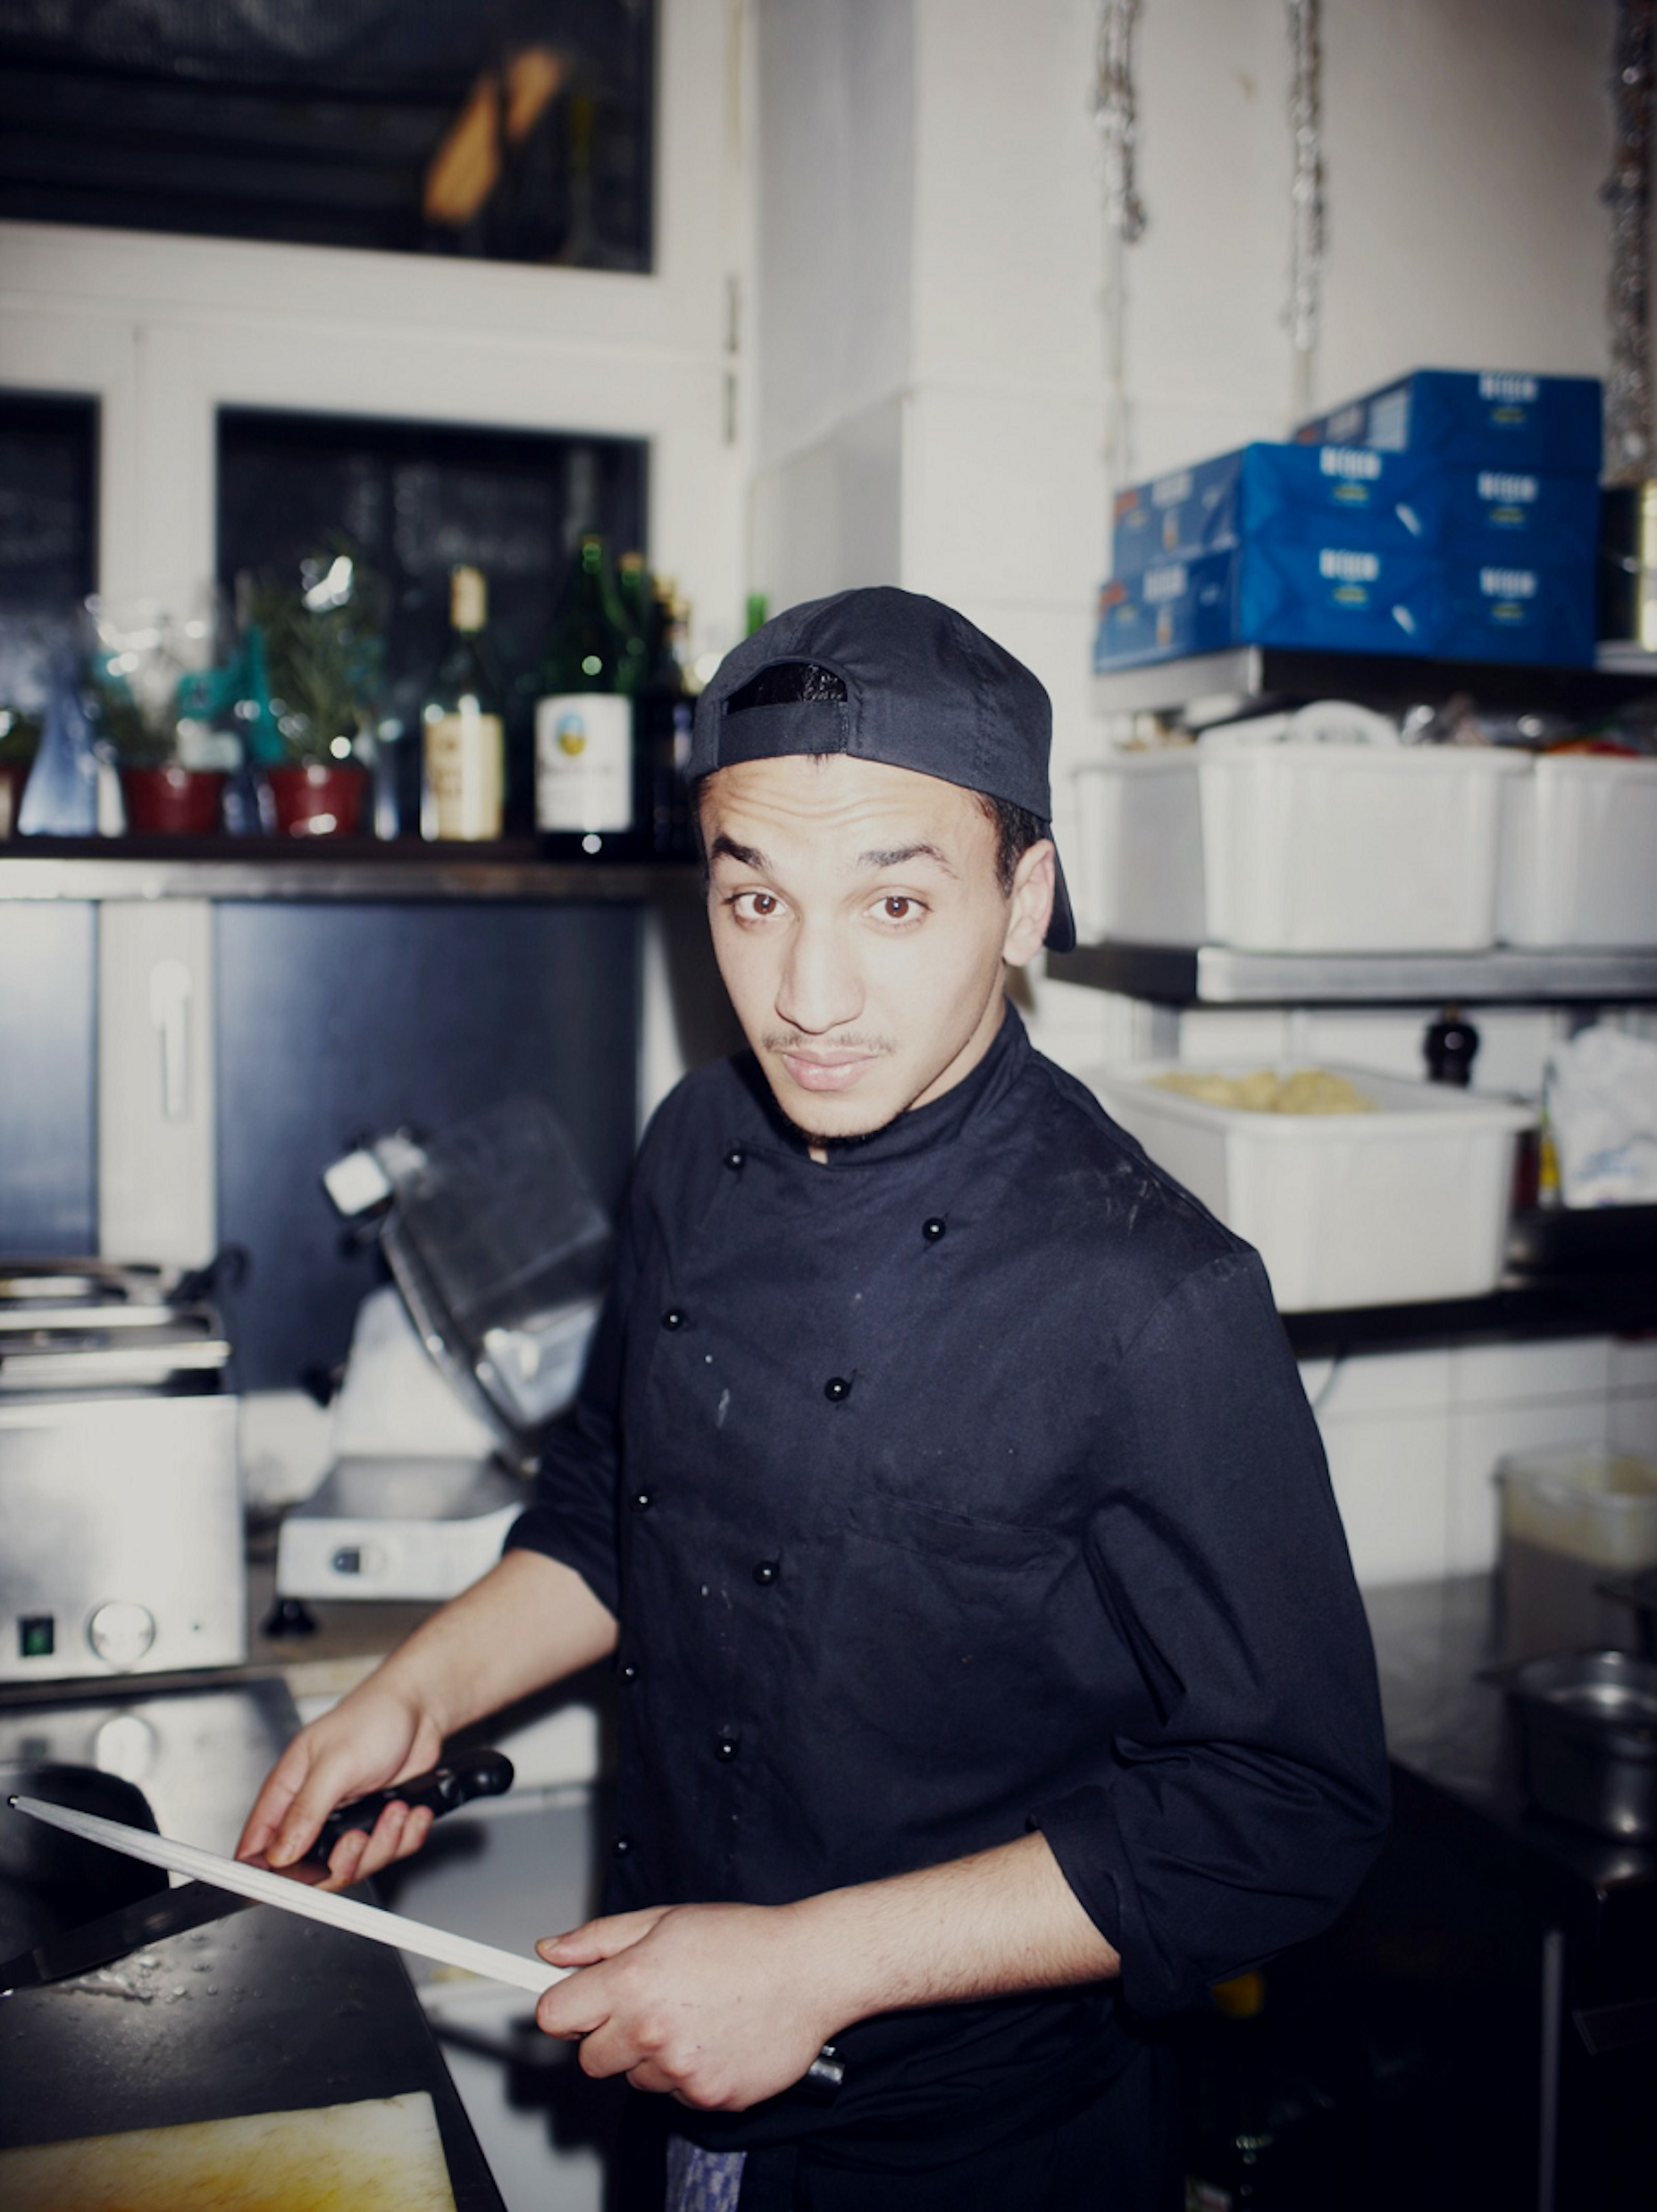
(338, 1022)
(48, 1077)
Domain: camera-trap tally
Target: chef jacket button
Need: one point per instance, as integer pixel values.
(735, 1157)
(640, 1501)
(630, 1672)
(725, 1747)
(766, 1573)
(622, 1846)
(933, 1230)
(673, 1318)
(836, 1388)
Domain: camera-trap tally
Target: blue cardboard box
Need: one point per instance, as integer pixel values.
(1348, 599)
(1505, 610)
(1474, 418)
(1342, 598)
(1300, 493)
(1308, 495)
(1507, 515)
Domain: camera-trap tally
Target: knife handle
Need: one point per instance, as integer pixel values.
(469, 1774)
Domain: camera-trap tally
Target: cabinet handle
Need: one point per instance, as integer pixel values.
(169, 1012)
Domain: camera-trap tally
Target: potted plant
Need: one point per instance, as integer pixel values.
(20, 734)
(323, 657)
(139, 654)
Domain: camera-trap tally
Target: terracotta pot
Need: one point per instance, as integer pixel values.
(321, 800)
(172, 801)
(14, 774)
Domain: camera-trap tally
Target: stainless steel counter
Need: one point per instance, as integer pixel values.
(260, 2013)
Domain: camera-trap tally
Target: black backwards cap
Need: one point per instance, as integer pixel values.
(925, 689)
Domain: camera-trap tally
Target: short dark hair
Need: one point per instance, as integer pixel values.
(790, 682)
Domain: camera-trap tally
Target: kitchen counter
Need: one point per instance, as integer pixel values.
(1451, 1741)
(1491, 1947)
(259, 2013)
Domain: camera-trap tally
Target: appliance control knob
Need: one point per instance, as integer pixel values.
(121, 1632)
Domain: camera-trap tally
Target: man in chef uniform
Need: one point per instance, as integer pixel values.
(991, 1676)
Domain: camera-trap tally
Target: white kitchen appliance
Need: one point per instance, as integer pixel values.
(120, 1506)
(498, 1252)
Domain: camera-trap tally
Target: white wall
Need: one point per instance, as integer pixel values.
(1465, 144)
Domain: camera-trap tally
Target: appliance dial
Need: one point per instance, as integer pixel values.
(121, 1632)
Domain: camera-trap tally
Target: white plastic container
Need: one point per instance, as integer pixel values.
(1388, 1209)
(1352, 849)
(1579, 853)
(1138, 872)
(1572, 1519)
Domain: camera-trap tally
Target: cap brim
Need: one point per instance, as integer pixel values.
(1061, 929)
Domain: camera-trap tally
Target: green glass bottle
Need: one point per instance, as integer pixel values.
(586, 777)
(663, 712)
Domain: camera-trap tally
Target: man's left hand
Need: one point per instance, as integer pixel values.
(710, 2003)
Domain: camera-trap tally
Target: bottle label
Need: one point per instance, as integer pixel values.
(466, 776)
(584, 762)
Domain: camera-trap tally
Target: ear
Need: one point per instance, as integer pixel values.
(1031, 908)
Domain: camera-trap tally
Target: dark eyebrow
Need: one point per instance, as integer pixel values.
(897, 854)
(745, 855)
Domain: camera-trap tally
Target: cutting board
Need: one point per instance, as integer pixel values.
(336, 2158)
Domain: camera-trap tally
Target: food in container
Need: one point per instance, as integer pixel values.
(1303, 1091)
(1403, 1202)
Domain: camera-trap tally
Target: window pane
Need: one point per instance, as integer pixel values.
(48, 534)
(518, 132)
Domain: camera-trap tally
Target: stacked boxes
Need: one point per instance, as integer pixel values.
(1453, 514)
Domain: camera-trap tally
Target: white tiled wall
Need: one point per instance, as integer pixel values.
(1414, 1438)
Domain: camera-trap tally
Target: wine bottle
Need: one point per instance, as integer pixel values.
(586, 777)
(464, 727)
(663, 712)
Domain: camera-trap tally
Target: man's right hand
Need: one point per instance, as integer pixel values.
(528, 1622)
(371, 1738)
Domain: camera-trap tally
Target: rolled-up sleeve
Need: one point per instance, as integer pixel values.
(1241, 1815)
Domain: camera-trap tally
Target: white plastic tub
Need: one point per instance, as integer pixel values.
(1352, 849)
(1139, 863)
(1388, 1208)
(1579, 853)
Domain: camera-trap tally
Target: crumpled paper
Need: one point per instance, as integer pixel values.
(1602, 1111)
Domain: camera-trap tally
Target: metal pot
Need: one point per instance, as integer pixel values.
(1588, 1739)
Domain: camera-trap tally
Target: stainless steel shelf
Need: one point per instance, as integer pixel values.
(96, 870)
(1211, 686)
(1216, 975)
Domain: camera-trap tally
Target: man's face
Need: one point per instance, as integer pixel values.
(861, 931)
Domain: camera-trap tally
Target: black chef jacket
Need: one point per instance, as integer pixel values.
(960, 1486)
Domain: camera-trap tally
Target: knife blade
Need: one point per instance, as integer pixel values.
(821, 2081)
(80, 1950)
(263, 1886)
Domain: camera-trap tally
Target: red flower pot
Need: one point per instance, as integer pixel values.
(318, 800)
(172, 801)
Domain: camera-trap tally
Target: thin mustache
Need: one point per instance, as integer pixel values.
(791, 1041)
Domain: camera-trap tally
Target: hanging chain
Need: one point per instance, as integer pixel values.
(1115, 113)
(1306, 122)
(1627, 192)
